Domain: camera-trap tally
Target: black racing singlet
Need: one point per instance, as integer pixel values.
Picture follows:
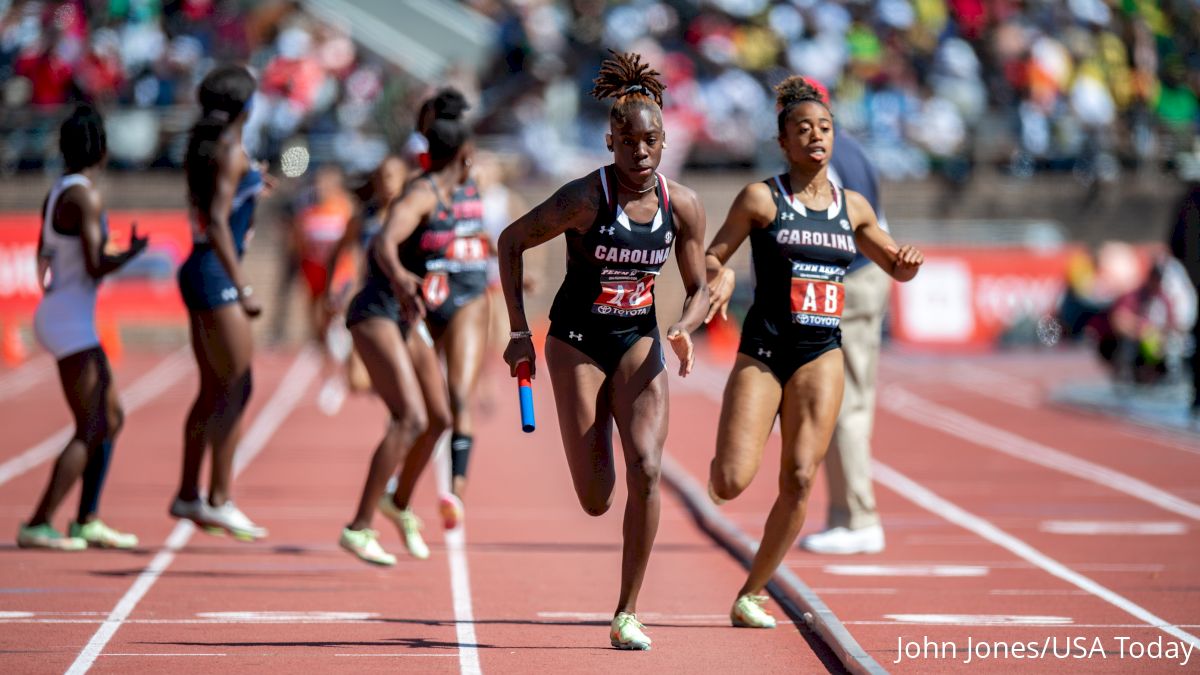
(450, 250)
(612, 266)
(800, 262)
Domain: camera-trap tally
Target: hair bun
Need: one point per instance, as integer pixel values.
(449, 104)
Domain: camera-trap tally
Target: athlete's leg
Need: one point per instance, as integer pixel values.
(641, 408)
(228, 348)
(748, 412)
(84, 383)
(387, 359)
(195, 429)
(96, 469)
(428, 369)
(811, 400)
(585, 421)
(465, 344)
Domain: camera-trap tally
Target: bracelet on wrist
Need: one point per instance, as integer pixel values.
(519, 334)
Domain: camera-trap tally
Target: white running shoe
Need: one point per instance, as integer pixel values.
(195, 510)
(230, 518)
(844, 541)
(409, 525)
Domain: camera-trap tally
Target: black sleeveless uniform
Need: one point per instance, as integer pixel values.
(800, 262)
(606, 301)
(450, 251)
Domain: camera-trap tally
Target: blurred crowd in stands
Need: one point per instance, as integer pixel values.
(930, 86)
(141, 60)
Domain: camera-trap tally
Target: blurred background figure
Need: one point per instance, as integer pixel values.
(1133, 334)
(852, 524)
(1184, 242)
(319, 221)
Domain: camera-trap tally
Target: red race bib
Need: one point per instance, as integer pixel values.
(816, 302)
(625, 298)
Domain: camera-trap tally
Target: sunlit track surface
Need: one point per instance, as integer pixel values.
(542, 575)
(987, 548)
(987, 545)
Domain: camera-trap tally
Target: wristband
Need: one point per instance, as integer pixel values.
(518, 334)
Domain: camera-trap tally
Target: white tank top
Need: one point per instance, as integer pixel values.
(68, 271)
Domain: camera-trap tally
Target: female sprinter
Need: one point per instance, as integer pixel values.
(603, 351)
(803, 233)
(71, 249)
(222, 187)
(387, 314)
(452, 256)
(387, 182)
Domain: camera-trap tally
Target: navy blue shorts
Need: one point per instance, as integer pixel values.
(203, 282)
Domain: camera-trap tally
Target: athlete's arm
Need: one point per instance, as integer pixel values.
(753, 207)
(231, 165)
(92, 237)
(902, 262)
(689, 253)
(403, 217)
(573, 206)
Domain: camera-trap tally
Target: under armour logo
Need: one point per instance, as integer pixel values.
(578, 337)
(668, 238)
(764, 352)
(787, 215)
(608, 230)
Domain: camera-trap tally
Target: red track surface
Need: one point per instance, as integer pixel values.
(543, 576)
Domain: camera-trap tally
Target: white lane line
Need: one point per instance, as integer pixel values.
(906, 570)
(460, 574)
(918, 410)
(286, 617)
(287, 394)
(926, 499)
(145, 389)
(981, 619)
(25, 377)
(165, 655)
(399, 655)
(1123, 626)
(1101, 527)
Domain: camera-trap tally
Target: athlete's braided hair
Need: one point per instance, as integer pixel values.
(632, 83)
(82, 139)
(792, 92)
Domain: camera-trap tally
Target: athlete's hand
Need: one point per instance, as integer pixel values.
(907, 261)
(720, 289)
(250, 306)
(408, 292)
(518, 350)
(681, 341)
(136, 244)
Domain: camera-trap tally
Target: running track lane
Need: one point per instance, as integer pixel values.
(75, 588)
(46, 424)
(543, 575)
(939, 580)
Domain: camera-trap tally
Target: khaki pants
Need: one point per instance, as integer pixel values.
(848, 464)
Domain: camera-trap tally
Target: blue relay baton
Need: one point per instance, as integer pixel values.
(525, 391)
